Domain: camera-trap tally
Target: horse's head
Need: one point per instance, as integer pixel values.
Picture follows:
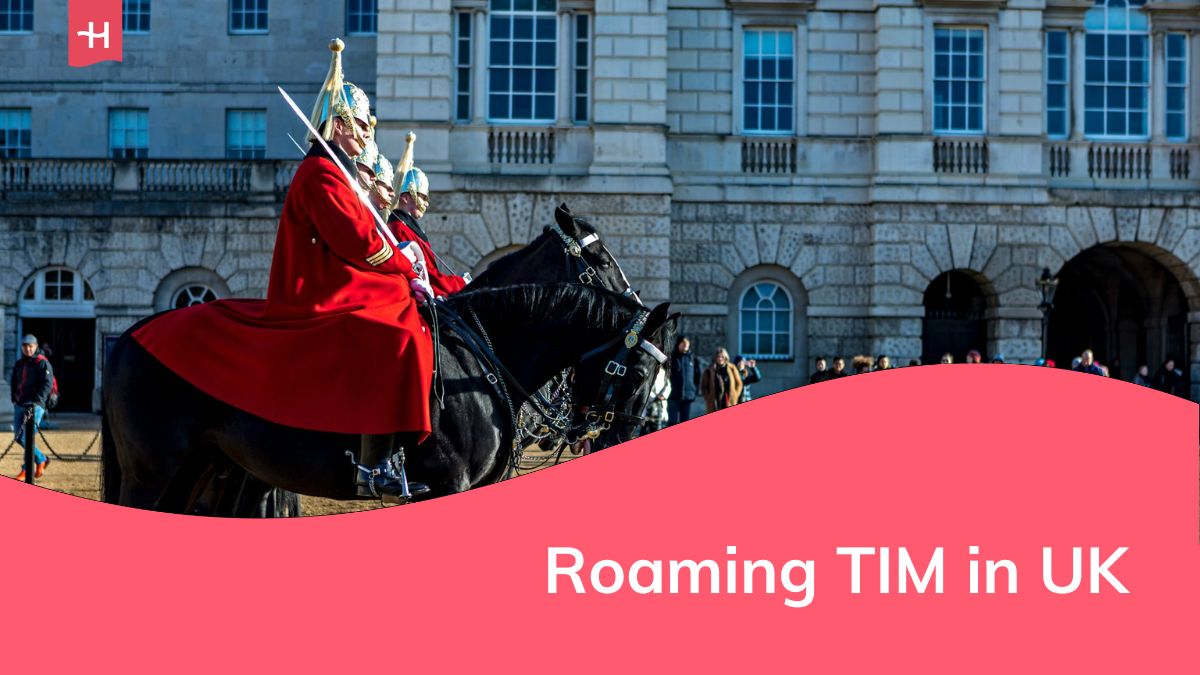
(613, 383)
(591, 261)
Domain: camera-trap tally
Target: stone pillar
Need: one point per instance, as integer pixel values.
(566, 46)
(1158, 88)
(479, 67)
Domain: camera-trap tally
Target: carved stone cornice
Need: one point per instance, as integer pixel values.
(771, 7)
(960, 7)
(1066, 13)
(1173, 14)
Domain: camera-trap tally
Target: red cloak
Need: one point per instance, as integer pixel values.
(338, 345)
(406, 229)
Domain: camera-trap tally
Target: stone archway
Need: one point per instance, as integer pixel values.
(957, 316)
(1128, 305)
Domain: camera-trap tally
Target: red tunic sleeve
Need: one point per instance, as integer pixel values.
(346, 225)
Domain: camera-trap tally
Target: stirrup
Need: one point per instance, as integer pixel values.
(383, 483)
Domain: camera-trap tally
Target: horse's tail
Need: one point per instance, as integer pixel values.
(110, 488)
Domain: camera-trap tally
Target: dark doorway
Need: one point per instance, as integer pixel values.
(72, 345)
(955, 311)
(1124, 306)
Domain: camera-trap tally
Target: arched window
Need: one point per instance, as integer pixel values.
(1117, 70)
(189, 286)
(765, 322)
(193, 294)
(57, 292)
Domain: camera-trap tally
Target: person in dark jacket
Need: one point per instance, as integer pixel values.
(1169, 379)
(32, 381)
(821, 374)
(685, 382)
(748, 369)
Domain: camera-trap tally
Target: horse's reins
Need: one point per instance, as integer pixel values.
(573, 255)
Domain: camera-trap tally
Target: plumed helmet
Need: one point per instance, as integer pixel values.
(415, 183)
(383, 170)
(369, 155)
(339, 98)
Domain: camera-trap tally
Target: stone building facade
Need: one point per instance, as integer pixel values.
(798, 177)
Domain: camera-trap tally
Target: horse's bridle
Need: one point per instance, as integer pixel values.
(573, 251)
(599, 417)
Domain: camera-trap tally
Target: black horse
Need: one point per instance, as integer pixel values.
(164, 441)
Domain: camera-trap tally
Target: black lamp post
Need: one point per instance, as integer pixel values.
(1047, 285)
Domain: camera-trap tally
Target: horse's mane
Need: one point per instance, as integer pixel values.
(553, 303)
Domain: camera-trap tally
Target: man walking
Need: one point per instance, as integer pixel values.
(685, 382)
(32, 380)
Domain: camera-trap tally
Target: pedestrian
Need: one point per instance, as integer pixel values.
(883, 362)
(1087, 364)
(974, 356)
(748, 369)
(947, 358)
(1142, 376)
(821, 374)
(656, 408)
(1169, 379)
(685, 382)
(999, 358)
(721, 384)
(914, 362)
(32, 380)
(839, 369)
(862, 364)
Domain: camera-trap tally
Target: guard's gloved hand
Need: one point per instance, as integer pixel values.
(421, 290)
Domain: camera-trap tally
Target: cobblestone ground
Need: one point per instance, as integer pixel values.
(78, 474)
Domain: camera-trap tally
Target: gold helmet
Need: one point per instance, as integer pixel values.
(339, 98)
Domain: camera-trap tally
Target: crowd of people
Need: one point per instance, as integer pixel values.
(724, 382)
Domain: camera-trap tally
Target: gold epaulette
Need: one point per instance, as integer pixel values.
(381, 256)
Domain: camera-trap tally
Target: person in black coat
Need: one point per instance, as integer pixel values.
(1169, 379)
(32, 381)
(685, 381)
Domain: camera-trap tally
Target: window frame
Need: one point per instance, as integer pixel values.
(18, 151)
(137, 14)
(533, 15)
(464, 65)
(740, 72)
(240, 152)
(790, 323)
(265, 11)
(983, 81)
(188, 288)
(82, 304)
(1185, 85)
(23, 12)
(581, 74)
(139, 152)
(1068, 103)
(1148, 112)
(351, 14)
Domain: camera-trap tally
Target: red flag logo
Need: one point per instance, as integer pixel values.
(94, 32)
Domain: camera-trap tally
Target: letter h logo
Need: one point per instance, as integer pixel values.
(86, 45)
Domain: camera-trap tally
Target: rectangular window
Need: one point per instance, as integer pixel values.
(245, 134)
(583, 58)
(362, 17)
(1116, 85)
(1058, 84)
(768, 81)
(135, 16)
(522, 60)
(1177, 86)
(128, 133)
(247, 16)
(14, 133)
(958, 80)
(16, 16)
(462, 66)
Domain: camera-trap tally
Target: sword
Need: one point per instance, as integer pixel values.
(362, 195)
(297, 144)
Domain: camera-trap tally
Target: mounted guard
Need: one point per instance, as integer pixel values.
(338, 345)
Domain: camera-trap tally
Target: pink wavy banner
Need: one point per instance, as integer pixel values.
(1009, 459)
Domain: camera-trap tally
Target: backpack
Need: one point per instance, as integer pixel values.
(52, 399)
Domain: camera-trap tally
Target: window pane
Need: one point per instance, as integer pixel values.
(768, 70)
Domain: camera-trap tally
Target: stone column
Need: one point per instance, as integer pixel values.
(479, 68)
(566, 44)
(1158, 88)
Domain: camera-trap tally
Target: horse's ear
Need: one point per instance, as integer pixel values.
(657, 318)
(673, 322)
(564, 218)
